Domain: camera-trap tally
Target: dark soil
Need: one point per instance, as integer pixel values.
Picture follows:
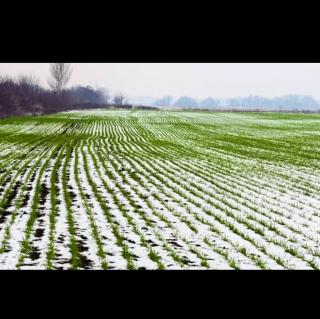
(3, 216)
(34, 254)
(12, 195)
(39, 233)
(33, 176)
(25, 200)
(44, 191)
(61, 238)
(73, 196)
(85, 263)
(7, 181)
(172, 242)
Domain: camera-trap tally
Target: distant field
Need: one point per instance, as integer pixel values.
(160, 190)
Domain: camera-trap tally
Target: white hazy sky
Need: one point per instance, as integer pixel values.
(199, 80)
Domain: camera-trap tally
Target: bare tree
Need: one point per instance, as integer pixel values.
(60, 76)
(29, 85)
(25, 80)
(119, 99)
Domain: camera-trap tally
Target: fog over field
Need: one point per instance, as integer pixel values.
(198, 80)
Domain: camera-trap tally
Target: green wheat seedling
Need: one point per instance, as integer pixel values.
(241, 185)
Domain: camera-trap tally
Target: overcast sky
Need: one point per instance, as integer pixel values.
(199, 80)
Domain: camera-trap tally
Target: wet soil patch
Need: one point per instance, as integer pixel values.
(25, 200)
(12, 195)
(83, 237)
(34, 253)
(131, 241)
(3, 216)
(73, 196)
(174, 243)
(44, 191)
(33, 176)
(84, 261)
(39, 233)
(41, 222)
(82, 247)
(151, 243)
(39, 214)
(187, 261)
(61, 238)
(6, 181)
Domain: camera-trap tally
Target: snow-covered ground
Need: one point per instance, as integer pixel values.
(129, 189)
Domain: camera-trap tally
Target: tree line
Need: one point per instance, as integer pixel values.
(288, 102)
(24, 95)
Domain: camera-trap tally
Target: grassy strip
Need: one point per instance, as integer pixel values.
(73, 246)
(19, 203)
(94, 228)
(119, 238)
(51, 252)
(25, 244)
(151, 253)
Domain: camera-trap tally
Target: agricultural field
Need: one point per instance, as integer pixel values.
(160, 190)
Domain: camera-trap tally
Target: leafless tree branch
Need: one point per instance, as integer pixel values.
(60, 76)
(119, 99)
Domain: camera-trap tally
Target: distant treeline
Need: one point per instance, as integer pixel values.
(252, 110)
(288, 102)
(24, 95)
